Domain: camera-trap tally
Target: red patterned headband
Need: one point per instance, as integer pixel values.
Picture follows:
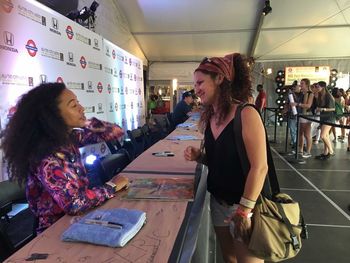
(220, 65)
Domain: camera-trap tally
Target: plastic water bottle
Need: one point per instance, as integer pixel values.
(291, 99)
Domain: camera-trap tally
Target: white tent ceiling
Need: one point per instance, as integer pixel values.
(188, 30)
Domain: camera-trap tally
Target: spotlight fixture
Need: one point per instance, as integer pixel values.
(85, 17)
(267, 9)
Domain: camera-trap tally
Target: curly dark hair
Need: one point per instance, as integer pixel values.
(240, 89)
(35, 130)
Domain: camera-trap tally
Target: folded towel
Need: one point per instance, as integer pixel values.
(105, 234)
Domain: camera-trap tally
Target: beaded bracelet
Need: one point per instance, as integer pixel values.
(247, 203)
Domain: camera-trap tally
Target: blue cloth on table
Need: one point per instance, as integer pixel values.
(182, 138)
(132, 221)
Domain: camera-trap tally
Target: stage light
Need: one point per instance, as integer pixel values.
(94, 6)
(73, 14)
(267, 9)
(334, 72)
(90, 159)
(84, 17)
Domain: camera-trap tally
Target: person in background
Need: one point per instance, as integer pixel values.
(40, 145)
(182, 109)
(222, 83)
(315, 126)
(260, 101)
(326, 108)
(297, 97)
(347, 110)
(338, 95)
(304, 125)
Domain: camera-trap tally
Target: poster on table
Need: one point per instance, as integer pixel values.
(39, 45)
(314, 74)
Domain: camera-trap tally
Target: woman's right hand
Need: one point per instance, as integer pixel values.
(192, 153)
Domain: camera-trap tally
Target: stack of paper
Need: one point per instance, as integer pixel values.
(112, 227)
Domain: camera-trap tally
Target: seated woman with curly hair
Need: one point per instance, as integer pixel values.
(40, 146)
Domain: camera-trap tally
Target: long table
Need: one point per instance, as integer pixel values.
(171, 229)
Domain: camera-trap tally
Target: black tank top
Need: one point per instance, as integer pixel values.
(225, 175)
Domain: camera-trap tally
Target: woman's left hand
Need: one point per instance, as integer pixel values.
(243, 227)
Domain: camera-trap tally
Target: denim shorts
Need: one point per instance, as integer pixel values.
(220, 212)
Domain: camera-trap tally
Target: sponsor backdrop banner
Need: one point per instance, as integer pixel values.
(314, 74)
(39, 45)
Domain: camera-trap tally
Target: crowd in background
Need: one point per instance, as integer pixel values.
(316, 102)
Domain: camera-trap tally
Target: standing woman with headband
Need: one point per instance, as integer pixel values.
(222, 83)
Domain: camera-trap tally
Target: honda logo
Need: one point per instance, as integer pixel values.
(55, 23)
(70, 57)
(89, 84)
(43, 78)
(9, 39)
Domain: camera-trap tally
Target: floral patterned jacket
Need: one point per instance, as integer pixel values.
(59, 185)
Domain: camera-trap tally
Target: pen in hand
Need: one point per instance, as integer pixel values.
(103, 223)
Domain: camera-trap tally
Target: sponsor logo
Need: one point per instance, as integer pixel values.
(43, 78)
(99, 108)
(121, 91)
(94, 65)
(103, 148)
(96, 44)
(49, 53)
(123, 122)
(126, 90)
(54, 26)
(107, 51)
(89, 109)
(131, 105)
(116, 106)
(69, 32)
(23, 11)
(125, 60)
(139, 91)
(123, 106)
(111, 107)
(6, 5)
(115, 72)
(71, 59)
(120, 57)
(130, 61)
(113, 54)
(134, 77)
(59, 80)
(82, 62)
(75, 85)
(83, 39)
(11, 79)
(120, 74)
(31, 48)
(108, 70)
(9, 38)
(109, 89)
(30, 81)
(99, 87)
(9, 41)
(89, 87)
